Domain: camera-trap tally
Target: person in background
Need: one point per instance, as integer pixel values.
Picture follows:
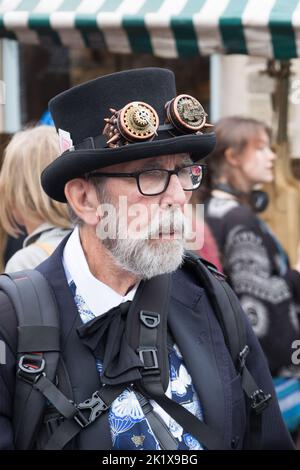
(23, 202)
(253, 259)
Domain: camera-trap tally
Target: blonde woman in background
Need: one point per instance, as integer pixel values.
(23, 201)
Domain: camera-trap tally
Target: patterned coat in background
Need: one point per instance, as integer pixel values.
(259, 272)
(269, 290)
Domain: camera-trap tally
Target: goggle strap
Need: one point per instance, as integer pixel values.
(100, 141)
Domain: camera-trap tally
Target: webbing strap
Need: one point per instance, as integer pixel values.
(152, 386)
(95, 406)
(206, 436)
(64, 406)
(34, 338)
(100, 402)
(148, 348)
(157, 424)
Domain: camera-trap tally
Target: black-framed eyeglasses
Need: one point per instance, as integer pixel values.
(154, 182)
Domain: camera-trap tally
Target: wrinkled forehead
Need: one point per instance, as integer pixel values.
(163, 161)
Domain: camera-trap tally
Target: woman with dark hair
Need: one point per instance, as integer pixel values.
(253, 259)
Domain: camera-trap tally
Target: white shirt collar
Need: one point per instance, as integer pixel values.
(98, 296)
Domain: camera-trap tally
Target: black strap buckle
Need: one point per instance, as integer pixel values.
(149, 319)
(260, 401)
(96, 406)
(31, 367)
(148, 357)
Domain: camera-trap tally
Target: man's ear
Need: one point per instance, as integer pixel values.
(82, 197)
(231, 157)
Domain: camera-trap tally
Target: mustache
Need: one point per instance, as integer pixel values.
(167, 222)
(160, 223)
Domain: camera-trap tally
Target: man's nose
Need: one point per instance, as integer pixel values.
(174, 194)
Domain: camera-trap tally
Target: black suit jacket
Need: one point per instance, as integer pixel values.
(200, 340)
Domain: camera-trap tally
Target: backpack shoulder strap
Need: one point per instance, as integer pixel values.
(38, 347)
(8, 323)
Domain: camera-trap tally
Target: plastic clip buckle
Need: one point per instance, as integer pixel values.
(260, 401)
(96, 406)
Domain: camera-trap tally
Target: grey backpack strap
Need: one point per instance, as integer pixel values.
(38, 348)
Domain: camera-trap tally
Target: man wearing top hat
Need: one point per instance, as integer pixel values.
(129, 135)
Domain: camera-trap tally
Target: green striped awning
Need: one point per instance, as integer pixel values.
(163, 28)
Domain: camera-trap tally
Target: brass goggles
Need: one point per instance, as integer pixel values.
(138, 121)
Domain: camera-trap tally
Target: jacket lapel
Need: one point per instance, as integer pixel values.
(197, 339)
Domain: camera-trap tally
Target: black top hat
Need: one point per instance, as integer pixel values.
(81, 112)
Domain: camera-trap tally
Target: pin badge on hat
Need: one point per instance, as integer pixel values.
(65, 141)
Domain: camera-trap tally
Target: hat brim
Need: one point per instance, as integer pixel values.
(76, 163)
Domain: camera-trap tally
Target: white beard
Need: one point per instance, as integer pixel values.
(148, 256)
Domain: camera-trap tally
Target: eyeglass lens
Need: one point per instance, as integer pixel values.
(156, 181)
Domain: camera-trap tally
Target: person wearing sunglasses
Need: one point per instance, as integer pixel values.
(145, 356)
